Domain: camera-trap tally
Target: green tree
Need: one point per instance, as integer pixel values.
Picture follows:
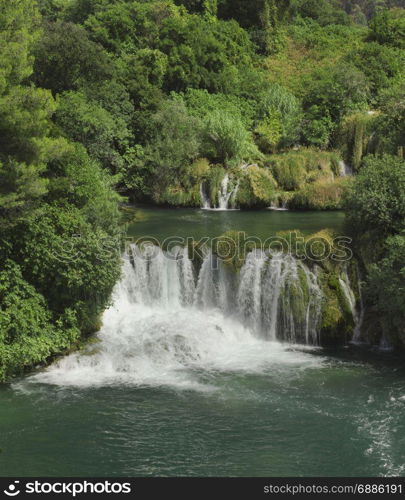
(276, 103)
(380, 64)
(376, 205)
(105, 135)
(386, 287)
(65, 58)
(175, 144)
(25, 112)
(388, 27)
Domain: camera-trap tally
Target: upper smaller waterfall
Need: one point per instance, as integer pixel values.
(226, 196)
(278, 207)
(345, 169)
(206, 205)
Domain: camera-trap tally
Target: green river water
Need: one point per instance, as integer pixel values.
(190, 393)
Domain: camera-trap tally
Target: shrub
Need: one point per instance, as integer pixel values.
(257, 187)
(321, 195)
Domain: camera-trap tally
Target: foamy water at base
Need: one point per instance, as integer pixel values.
(144, 346)
(186, 392)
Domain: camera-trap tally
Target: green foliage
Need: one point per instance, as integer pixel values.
(337, 90)
(376, 219)
(317, 127)
(59, 220)
(324, 194)
(386, 287)
(28, 332)
(175, 145)
(18, 32)
(292, 170)
(322, 11)
(388, 27)
(380, 63)
(200, 103)
(269, 132)
(103, 131)
(73, 263)
(390, 125)
(355, 137)
(202, 54)
(24, 113)
(281, 115)
(66, 58)
(178, 196)
(376, 204)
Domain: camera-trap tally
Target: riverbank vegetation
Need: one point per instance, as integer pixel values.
(154, 89)
(173, 102)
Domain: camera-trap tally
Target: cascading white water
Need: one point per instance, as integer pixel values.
(357, 310)
(277, 296)
(226, 196)
(169, 322)
(278, 207)
(344, 169)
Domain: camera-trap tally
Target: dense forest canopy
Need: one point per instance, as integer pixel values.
(149, 99)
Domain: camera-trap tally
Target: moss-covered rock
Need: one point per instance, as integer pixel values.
(338, 324)
(257, 187)
(324, 194)
(294, 169)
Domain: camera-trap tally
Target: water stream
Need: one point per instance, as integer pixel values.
(198, 371)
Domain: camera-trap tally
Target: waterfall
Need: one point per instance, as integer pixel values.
(275, 296)
(163, 278)
(226, 196)
(249, 297)
(358, 314)
(344, 169)
(279, 206)
(357, 335)
(349, 295)
(173, 322)
(206, 205)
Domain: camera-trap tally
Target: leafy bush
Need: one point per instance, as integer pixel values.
(226, 140)
(376, 204)
(321, 195)
(386, 288)
(29, 332)
(388, 27)
(257, 187)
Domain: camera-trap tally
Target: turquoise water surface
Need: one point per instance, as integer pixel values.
(192, 393)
